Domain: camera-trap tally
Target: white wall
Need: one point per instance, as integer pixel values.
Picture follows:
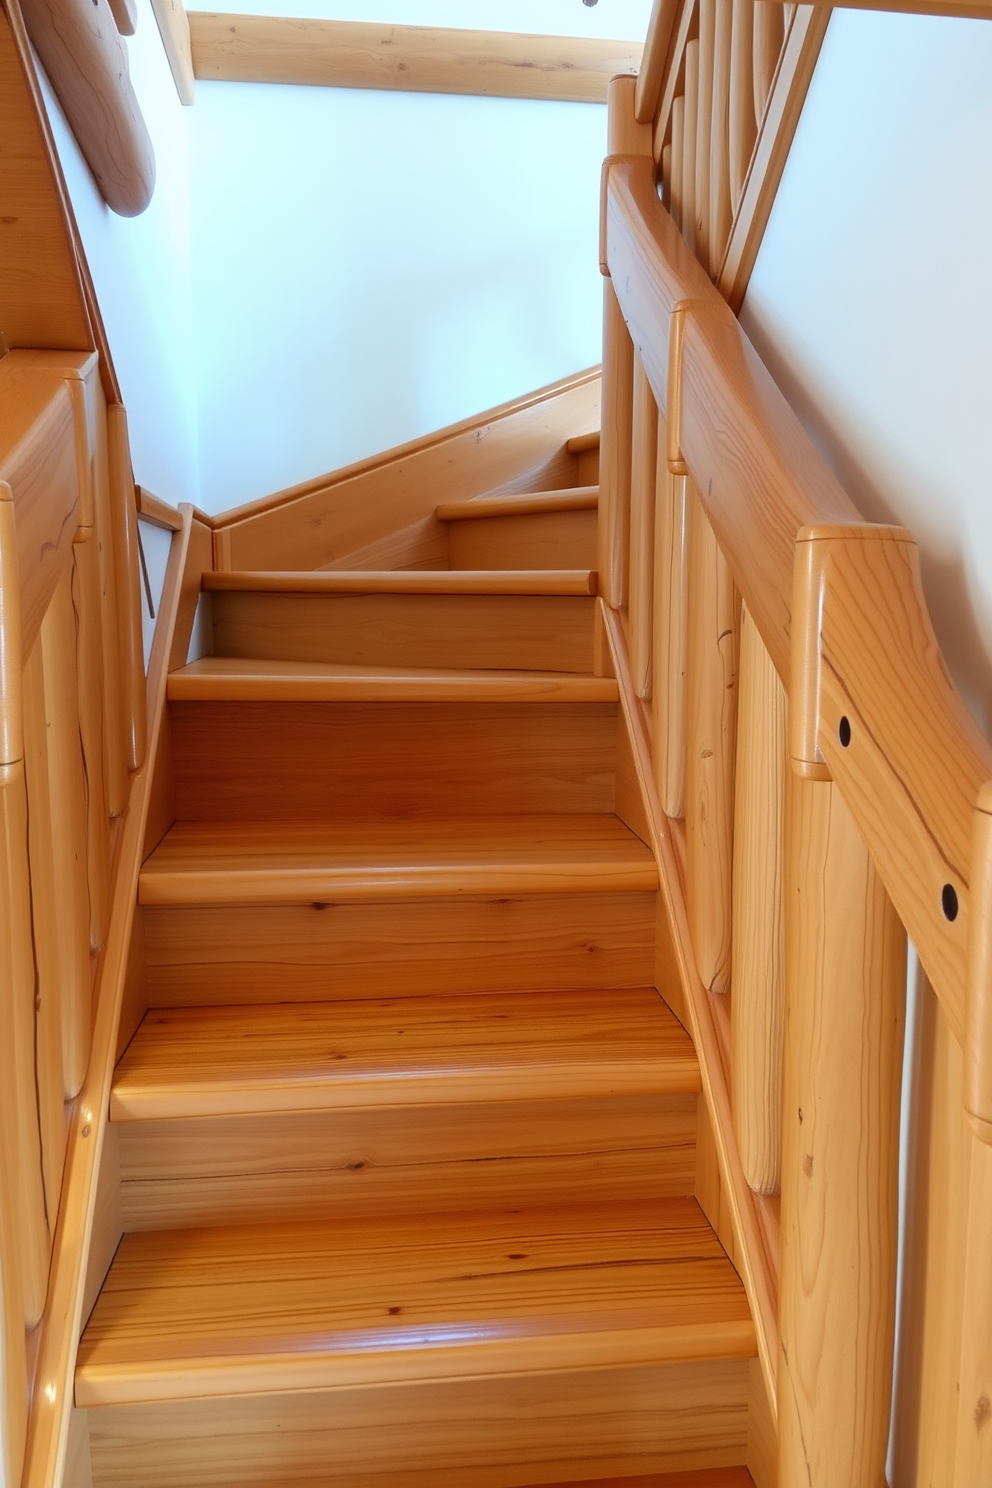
(871, 300)
(141, 270)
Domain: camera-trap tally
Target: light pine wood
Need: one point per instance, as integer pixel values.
(78, 1465)
(125, 13)
(411, 59)
(973, 1450)
(977, 1040)
(688, 25)
(758, 1004)
(719, 175)
(651, 75)
(583, 444)
(86, 61)
(87, 634)
(515, 581)
(690, 142)
(704, 123)
(11, 648)
(741, 126)
(325, 1056)
(629, 801)
(114, 618)
(124, 535)
(845, 989)
(466, 1434)
(615, 451)
(174, 28)
(670, 638)
(678, 157)
(643, 483)
(408, 761)
(452, 631)
(108, 1223)
(711, 727)
(378, 1162)
(530, 504)
(768, 36)
(158, 512)
(567, 539)
(644, 1284)
(271, 863)
(399, 948)
(519, 446)
(242, 680)
(762, 1437)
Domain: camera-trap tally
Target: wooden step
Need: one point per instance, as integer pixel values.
(240, 1114)
(581, 444)
(220, 1312)
(438, 1050)
(402, 581)
(307, 862)
(534, 503)
(248, 679)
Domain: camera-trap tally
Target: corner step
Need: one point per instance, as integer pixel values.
(275, 1308)
(304, 862)
(211, 1061)
(531, 504)
(549, 581)
(248, 679)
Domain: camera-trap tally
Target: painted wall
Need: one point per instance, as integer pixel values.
(871, 300)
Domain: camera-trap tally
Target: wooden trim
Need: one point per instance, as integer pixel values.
(583, 444)
(86, 61)
(60, 1326)
(408, 59)
(578, 498)
(173, 25)
(688, 27)
(125, 13)
(775, 135)
(236, 680)
(402, 581)
(651, 76)
(158, 512)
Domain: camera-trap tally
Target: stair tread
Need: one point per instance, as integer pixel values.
(579, 443)
(525, 504)
(209, 1061)
(240, 679)
(548, 581)
(301, 862)
(310, 1306)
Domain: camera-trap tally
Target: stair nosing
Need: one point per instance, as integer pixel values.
(522, 504)
(547, 583)
(250, 680)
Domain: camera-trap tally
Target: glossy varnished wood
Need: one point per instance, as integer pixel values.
(399, 581)
(296, 863)
(258, 953)
(543, 540)
(305, 1307)
(247, 679)
(411, 760)
(669, 648)
(527, 504)
(285, 1057)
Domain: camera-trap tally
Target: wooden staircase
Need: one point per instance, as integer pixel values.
(407, 1134)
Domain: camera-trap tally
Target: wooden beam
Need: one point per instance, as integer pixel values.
(408, 59)
(173, 24)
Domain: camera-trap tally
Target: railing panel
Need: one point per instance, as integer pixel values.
(845, 992)
(711, 730)
(643, 482)
(757, 1009)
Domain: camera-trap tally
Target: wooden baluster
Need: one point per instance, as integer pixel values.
(711, 728)
(704, 110)
(16, 989)
(90, 716)
(670, 629)
(61, 759)
(742, 127)
(678, 161)
(643, 480)
(973, 1446)
(114, 726)
(845, 990)
(690, 114)
(720, 209)
(768, 35)
(666, 175)
(757, 1009)
(124, 522)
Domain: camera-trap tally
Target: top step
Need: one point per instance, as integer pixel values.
(532, 504)
(406, 581)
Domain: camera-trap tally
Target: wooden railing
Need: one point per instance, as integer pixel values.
(72, 734)
(819, 791)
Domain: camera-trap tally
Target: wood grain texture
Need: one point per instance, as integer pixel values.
(529, 504)
(242, 680)
(532, 632)
(615, 451)
(845, 992)
(719, 178)
(90, 720)
(11, 649)
(671, 623)
(741, 125)
(159, 513)
(704, 124)
(477, 1294)
(690, 141)
(711, 731)
(517, 447)
(757, 1009)
(410, 59)
(108, 1222)
(551, 581)
(643, 484)
(317, 1056)
(464, 1434)
(124, 536)
(767, 45)
(297, 863)
(651, 74)
(378, 1162)
(567, 539)
(399, 948)
(114, 620)
(762, 1436)
(409, 761)
(86, 61)
(973, 1450)
(174, 28)
(675, 194)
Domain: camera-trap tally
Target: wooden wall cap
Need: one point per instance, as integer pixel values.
(978, 1006)
(11, 709)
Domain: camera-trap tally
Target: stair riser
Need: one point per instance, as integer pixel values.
(488, 1433)
(381, 1162)
(386, 948)
(525, 632)
(302, 761)
(541, 540)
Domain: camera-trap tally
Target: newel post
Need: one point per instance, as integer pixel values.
(625, 138)
(845, 969)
